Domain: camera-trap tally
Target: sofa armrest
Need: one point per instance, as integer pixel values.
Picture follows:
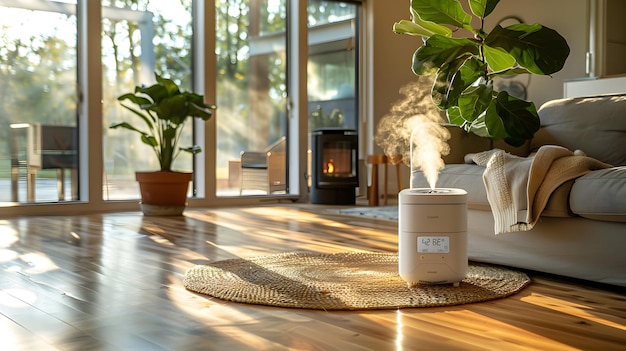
(462, 143)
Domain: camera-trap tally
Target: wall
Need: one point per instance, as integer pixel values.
(391, 54)
(615, 55)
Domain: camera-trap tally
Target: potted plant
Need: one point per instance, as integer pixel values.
(164, 109)
(464, 67)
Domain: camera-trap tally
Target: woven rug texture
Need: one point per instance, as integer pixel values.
(343, 281)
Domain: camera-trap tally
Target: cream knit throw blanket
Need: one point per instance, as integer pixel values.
(518, 188)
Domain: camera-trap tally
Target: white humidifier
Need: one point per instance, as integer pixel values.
(432, 235)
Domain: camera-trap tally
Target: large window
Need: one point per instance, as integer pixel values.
(252, 97)
(38, 141)
(38, 98)
(61, 82)
(252, 90)
(140, 38)
(333, 65)
(332, 85)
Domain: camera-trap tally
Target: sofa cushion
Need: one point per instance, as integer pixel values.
(469, 177)
(595, 125)
(600, 195)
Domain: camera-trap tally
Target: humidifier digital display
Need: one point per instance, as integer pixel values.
(433, 244)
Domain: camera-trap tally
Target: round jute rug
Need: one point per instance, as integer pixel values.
(342, 281)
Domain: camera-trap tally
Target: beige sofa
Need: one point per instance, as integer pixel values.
(582, 231)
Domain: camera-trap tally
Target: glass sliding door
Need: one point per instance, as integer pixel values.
(38, 119)
(140, 38)
(40, 98)
(251, 97)
(333, 66)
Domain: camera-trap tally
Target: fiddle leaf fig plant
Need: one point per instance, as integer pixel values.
(464, 67)
(164, 109)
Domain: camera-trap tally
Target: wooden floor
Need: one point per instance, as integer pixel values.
(114, 282)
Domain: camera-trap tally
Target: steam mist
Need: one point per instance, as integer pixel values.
(415, 118)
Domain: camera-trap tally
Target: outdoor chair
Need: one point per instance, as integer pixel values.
(265, 170)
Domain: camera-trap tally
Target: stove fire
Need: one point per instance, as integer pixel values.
(330, 167)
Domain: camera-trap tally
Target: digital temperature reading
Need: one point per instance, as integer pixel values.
(433, 244)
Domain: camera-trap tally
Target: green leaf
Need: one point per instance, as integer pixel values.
(519, 118)
(478, 126)
(498, 59)
(482, 8)
(443, 11)
(539, 49)
(434, 28)
(439, 50)
(156, 92)
(453, 79)
(192, 149)
(411, 28)
(454, 116)
(170, 86)
(200, 111)
(443, 83)
(146, 117)
(174, 109)
(509, 72)
(474, 101)
(471, 71)
(125, 125)
(493, 122)
(150, 140)
(135, 99)
(421, 27)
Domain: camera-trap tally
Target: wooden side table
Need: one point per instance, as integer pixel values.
(376, 161)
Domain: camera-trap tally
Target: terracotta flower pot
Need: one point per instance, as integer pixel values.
(163, 193)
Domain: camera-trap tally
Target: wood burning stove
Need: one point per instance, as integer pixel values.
(334, 166)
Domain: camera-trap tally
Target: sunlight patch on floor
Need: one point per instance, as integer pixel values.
(7, 255)
(471, 330)
(17, 298)
(570, 308)
(39, 263)
(8, 235)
